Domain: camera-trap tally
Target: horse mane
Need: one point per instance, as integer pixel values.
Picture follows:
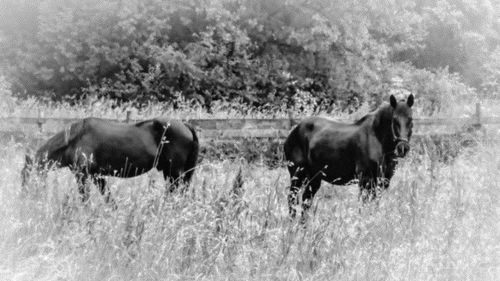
(362, 119)
(384, 111)
(140, 123)
(380, 112)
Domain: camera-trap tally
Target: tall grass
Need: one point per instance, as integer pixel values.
(184, 109)
(436, 222)
(107, 108)
(303, 105)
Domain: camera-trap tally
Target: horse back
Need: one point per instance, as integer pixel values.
(313, 131)
(179, 143)
(172, 130)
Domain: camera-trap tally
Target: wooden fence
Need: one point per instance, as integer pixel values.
(221, 129)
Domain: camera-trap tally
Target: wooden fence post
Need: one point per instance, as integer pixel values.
(290, 118)
(127, 120)
(478, 113)
(39, 122)
(477, 117)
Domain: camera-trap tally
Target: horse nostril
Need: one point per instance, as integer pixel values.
(405, 149)
(402, 149)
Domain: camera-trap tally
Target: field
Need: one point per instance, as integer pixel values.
(243, 73)
(436, 222)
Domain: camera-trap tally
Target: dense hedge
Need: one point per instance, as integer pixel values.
(261, 52)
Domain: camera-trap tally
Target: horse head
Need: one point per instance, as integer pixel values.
(402, 124)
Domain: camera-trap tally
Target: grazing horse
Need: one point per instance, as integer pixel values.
(93, 148)
(321, 149)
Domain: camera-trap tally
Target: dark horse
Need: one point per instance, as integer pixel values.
(93, 148)
(321, 149)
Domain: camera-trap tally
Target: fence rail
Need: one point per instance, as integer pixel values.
(242, 128)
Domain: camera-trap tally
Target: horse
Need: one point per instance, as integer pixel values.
(319, 148)
(94, 148)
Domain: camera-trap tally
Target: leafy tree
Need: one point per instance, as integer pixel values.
(461, 36)
(261, 52)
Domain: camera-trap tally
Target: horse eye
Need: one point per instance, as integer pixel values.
(396, 126)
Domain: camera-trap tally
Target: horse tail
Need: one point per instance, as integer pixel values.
(294, 150)
(192, 157)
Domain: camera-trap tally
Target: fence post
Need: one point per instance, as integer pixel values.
(290, 119)
(478, 126)
(39, 122)
(477, 117)
(127, 120)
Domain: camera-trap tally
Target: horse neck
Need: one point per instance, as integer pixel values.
(382, 128)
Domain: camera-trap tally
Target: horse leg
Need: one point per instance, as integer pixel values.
(308, 195)
(83, 188)
(100, 182)
(368, 181)
(176, 178)
(26, 171)
(388, 169)
(299, 178)
(30, 168)
(367, 188)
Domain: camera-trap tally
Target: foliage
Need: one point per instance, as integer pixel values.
(461, 36)
(7, 101)
(490, 85)
(259, 53)
(435, 89)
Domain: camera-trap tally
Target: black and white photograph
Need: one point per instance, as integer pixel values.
(234, 140)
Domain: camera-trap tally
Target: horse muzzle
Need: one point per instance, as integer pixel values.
(402, 148)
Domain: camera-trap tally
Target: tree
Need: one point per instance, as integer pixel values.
(262, 52)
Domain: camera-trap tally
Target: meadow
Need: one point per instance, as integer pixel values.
(438, 221)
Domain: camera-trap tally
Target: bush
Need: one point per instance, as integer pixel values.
(259, 53)
(437, 92)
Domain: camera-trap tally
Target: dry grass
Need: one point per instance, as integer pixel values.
(10, 106)
(436, 222)
(184, 109)
(106, 108)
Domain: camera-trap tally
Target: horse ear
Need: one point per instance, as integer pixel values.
(410, 100)
(393, 100)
